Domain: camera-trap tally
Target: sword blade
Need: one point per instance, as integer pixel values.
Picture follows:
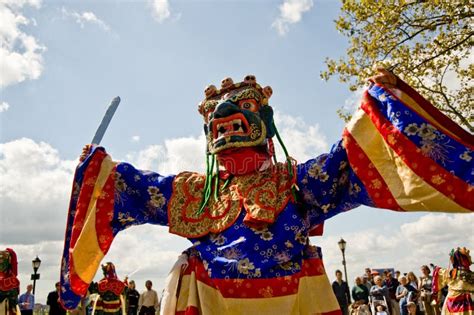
(99, 134)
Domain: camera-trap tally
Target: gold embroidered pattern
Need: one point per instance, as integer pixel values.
(248, 93)
(263, 195)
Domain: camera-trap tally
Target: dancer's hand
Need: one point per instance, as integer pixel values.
(384, 77)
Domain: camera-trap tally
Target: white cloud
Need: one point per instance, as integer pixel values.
(352, 103)
(135, 138)
(4, 106)
(291, 12)
(20, 54)
(160, 10)
(302, 141)
(85, 17)
(35, 186)
(176, 155)
(426, 240)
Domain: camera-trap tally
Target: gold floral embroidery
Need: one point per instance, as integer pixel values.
(376, 184)
(466, 156)
(342, 165)
(437, 179)
(244, 266)
(263, 232)
(301, 238)
(266, 236)
(257, 273)
(411, 129)
(125, 218)
(427, 132)
(218, 239)
(391, 140)
(157, 200)
(354, 189)
(316, 172)
(266, 292)
(120, 184)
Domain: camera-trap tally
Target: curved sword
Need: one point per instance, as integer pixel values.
(99, 134)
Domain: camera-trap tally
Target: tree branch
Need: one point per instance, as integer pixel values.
(442, 52)
(452, 110)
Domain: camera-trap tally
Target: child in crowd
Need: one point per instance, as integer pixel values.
(411, 308)
(381, 310)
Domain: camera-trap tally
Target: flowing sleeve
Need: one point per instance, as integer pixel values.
(107, 197)
(398, 152)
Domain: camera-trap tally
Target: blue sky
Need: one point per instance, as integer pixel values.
(64, 61)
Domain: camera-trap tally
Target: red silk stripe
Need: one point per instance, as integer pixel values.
(105, 213)
(464, 136)
(450, 185)
(78, 286)
(114, 305)
(369, 175)
(460, 303)
(435, 286)
(317, 230)
(190, 310)
(87, 188)
(256, 288)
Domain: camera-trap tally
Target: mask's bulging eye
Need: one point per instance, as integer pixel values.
(250, 105)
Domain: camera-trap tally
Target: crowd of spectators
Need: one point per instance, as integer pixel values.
(385, 293)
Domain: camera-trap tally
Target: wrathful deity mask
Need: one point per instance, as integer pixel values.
(461, 258)
(239, 127)
(8, 262)
(4, 261)
(109, 271)
(237, 115)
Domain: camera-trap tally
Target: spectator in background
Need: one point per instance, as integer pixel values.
(55, 308)
(424, 284)
(341, 290)
(368, 273)
(27, 301)
(366, 282)
(397, 274)
(379, 291)
(392, 284)
(148, 302)
(412, 280)
(402, 294)
(132, 299)
(360, 293)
